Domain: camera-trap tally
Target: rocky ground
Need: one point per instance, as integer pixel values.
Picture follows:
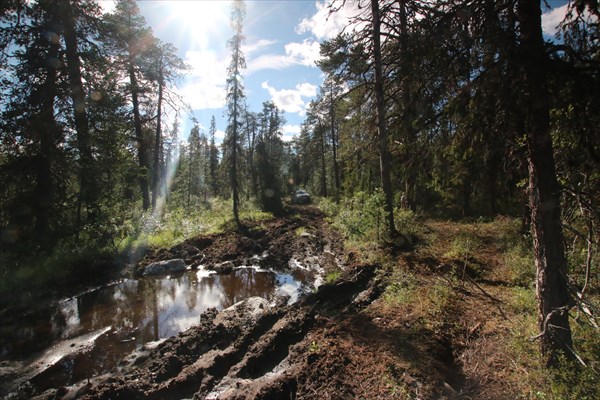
(425, 325)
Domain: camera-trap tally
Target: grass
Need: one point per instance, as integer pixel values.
(301, 231)
(490, 333)
(401, 291)
(179, 224)
(464, 246)
(361, 219)
(332, 276)
(68, 265)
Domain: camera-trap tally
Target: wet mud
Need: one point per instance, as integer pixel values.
(257, 348)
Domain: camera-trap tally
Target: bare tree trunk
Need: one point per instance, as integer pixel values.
(87, 190)
(384, 153)
(323, 166)
(190, 170)
(234, 167)
(139, 136)
(157, 140)
(544, 192)
(336, 168)
(251, 137)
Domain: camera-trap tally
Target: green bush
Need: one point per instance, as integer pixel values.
(332, 276)
(362, 217)
(401, 291)
(464, 246)
(521, 265)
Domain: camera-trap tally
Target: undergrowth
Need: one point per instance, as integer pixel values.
(361, 219)
(493, 317)
(174, 226)
(72, 262)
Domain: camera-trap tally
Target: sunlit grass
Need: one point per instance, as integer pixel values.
(332, 276)
(179, 224)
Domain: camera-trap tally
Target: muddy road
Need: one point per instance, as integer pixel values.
(261, 347)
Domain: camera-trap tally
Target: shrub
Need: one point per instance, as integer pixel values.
(400, 292)
(521, 266)
(362, 217)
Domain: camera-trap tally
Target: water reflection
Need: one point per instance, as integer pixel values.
(147, 309)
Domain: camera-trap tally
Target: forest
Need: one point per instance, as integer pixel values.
(433, 118)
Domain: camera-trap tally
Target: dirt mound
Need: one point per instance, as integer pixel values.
(300, 235)
(251, 350)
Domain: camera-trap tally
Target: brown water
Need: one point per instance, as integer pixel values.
(113, 320)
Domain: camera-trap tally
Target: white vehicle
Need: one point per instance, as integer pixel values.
(300, 197)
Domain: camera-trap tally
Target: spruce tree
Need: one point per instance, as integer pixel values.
(235, 102)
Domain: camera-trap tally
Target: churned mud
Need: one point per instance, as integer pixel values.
(255, 348)
(334, 339)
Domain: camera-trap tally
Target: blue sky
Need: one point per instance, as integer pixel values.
(282, 44)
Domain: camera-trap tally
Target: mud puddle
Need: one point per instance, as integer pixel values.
(48, 347)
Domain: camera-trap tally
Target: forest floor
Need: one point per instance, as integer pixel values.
(440, 322)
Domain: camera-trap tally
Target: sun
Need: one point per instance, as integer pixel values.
(200, 18)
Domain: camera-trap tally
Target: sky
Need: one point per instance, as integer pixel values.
(281, 46)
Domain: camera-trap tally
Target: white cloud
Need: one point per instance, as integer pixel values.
(552, 18)
(326, 25)
(254, 47)
(220, 134)
(305, 53)
(267, 61)
(291, 100)
(291, 129)
(290, 132)
(205, 85)
(107, 6)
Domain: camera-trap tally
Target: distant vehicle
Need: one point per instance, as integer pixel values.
(300, 197)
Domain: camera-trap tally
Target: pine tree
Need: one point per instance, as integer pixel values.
(544, 191)
(31, 132)
(88, 191)
(235, 102)
(213, 159)
(133, 42)
(166, 66)
(269, 158)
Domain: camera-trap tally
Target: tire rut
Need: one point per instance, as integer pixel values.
(210, 368)
(253, 349)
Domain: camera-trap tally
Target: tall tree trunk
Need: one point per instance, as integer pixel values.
(251, 137)
(544, 192)
(87, 192)
(323, 168)
(139, 136)
(157, 140)
(47, 131)
(411, 161)
(336, 168)
(234, 166)
(384, 154)
(190, 174)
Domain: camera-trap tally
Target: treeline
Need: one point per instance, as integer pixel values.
(455, 109)
(464, 109)
(88, 141)
(85, 96)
